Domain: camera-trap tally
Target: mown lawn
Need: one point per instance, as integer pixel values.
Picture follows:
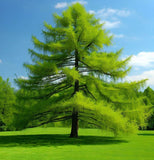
(54, 144)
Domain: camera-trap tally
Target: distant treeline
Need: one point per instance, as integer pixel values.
(149, 93)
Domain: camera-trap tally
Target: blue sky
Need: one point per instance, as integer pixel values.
(131, 22)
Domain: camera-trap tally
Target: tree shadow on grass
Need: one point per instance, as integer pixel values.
(146, 134)
(55, 140)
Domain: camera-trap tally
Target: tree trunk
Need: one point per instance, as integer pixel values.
(74, 129)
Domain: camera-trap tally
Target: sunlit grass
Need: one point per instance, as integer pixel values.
(55, 144)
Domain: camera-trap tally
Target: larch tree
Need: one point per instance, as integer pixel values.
(73, 77)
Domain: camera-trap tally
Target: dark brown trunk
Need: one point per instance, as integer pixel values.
(74, 128)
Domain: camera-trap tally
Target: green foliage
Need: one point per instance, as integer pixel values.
(149, 101)
(74, 72)
(7, 102)
(150, 94)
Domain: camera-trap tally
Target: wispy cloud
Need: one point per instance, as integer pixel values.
(0, 61)
(92, 12)
(116, 35)
(111, 16)
(61, 5)
(110, 13)
(23, 77)
(65, 4)
(109, 24)
(143, 59)
(81, 2)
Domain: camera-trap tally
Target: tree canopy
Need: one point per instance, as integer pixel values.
(7, 101)
(74, 77)
(149, 93)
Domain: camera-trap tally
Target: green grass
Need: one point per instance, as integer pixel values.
(54, 144)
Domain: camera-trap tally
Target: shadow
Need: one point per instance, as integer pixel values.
(55, 140)
(146, 134)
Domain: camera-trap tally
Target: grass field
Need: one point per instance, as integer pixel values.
(54, 144)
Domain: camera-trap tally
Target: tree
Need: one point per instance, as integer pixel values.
(149, 93)
(7, 101)
(23, 111)
(75, 78)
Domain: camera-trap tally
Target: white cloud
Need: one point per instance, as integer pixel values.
(0, 61)
(23, 77)
(143, 62)
(143, 59)
(81, 2)
(145, 75)
(116, 35)
(92, 12)
(109, 12)
(109, 24)
(65, 4)
(111, 17)
(61, 5)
